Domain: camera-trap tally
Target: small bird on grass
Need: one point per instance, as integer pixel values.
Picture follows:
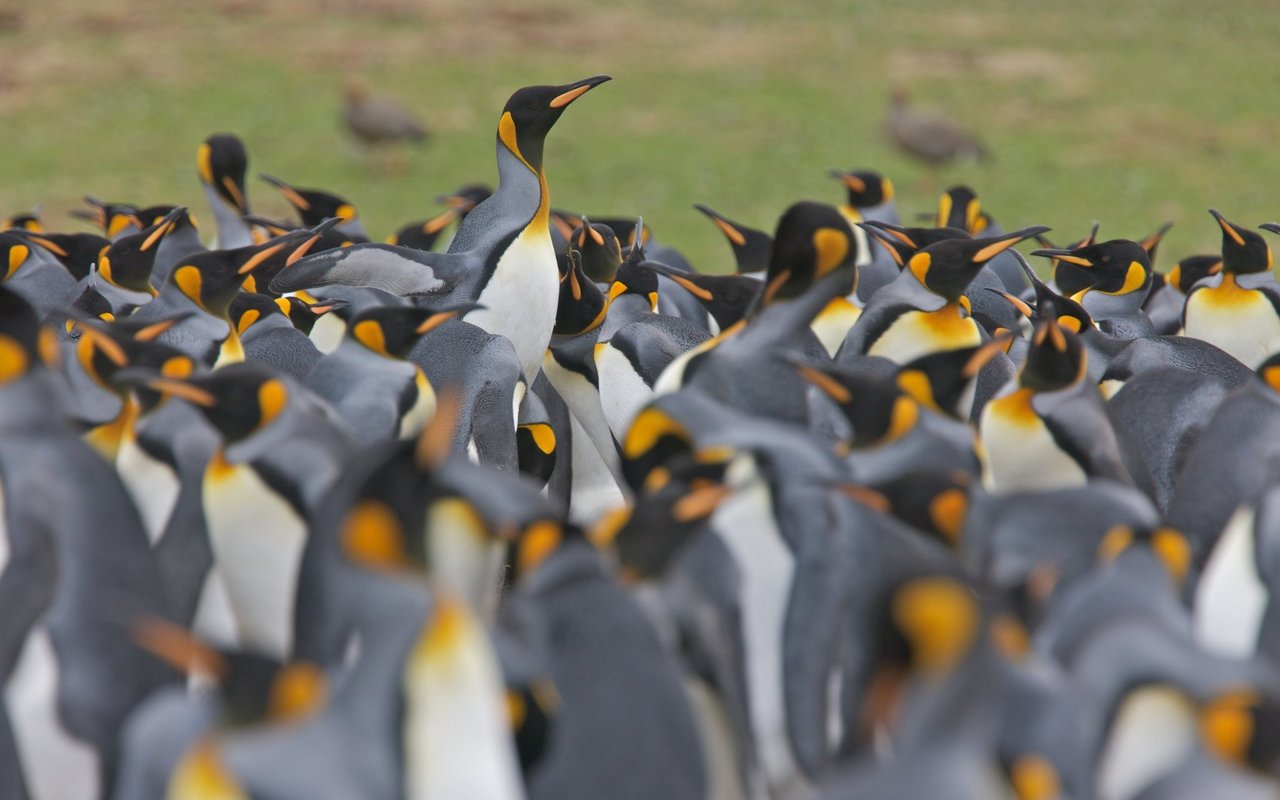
(927, 136)
(377, 121)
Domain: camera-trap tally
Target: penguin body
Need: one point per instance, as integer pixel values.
(630, 363)
(221, 163)
(269, 336)
(501, 258)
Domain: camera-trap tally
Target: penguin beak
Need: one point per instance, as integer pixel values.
(1065, 256)
(177, 647)
(444, 315)
(700, 503)
(257, 258)
(1274, 227)
(1151, 242)
(731, 233)
(438, 223)
(572, 91)
(316, 232)
(162, 230)
(1005, 242)
(181, 389)
(852, 182)
(1227, 227)
(291, 194)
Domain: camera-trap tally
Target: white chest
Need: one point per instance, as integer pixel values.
(1018, 452)
(1241, 322)
(521, 297)
(257, 540)
(151, 483)
(622, 391)
(1230, 597)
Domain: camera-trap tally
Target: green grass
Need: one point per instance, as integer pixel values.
(1129, 113)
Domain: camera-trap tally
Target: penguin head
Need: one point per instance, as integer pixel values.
(1192, 269)
(926, 625)
(221, 163)
(1168, 546)
(653, 438)
(91, 304)
(879, 411)
(1115, 267)
(252, 688)
(26, 221)
(1243, 251)
(269, 259)
(751, 247)
(392, 331)
(238, 399)
(248, 308)
(946, 268)
(23, 343)
(303, 315)
(866, 189)
(633, 279)
(959, 207)
(903, 243)
(1269, 371)
(77, 252)
(313, 205)
(582, 305)
(127, 261)
(383, 527)
(15, 252)
(648, 534)
(535, 543)
(600, 250)
(1055, 359)
(107, 347)
(943, 381)
(934, 502)
(423, 235)
(532, 111)
(811, 241)
(1049, 304)
(463, 199)
(113, 218)
(1242, 727)
(211, 279)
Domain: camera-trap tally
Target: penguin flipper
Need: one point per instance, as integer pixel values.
(399, 270)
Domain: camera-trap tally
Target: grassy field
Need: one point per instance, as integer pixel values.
(1130, 113)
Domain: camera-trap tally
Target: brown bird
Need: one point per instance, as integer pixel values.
(927, 136)
(376, 120)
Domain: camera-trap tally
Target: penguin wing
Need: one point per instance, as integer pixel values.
(1079, 425)
(399, 270)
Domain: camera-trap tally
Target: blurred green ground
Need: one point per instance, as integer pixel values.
(1131, 113)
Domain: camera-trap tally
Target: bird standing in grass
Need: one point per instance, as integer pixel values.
(929, 137)
(378, 121)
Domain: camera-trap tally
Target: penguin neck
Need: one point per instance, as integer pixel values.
(231, 351)
(232, 231)
(107, 438)
(520, 179)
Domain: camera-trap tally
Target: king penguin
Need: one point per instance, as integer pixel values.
(502, 256)
(221, 163)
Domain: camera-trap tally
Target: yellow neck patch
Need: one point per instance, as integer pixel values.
(1227, 727)
(272, 396)
(649, 426)
(13, 359)
(947, 511)
(369, 333)
(544, 438)
(189, 281)
(17, 257)
(538, 542)
(831, 246)
(372, 536)
(201, 776)
(939, 617)
(916, 383)
(299, 689)
(1034, 778)
(919, 266)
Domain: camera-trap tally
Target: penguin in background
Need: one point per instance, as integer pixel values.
(1165, 305)
(1111, 280)
(423, 234)
(598, 249)
(281, 452)
(78, 572)
(1237, 309)
(869, 198)
(221, 164)
(269, 334)
(1051, 428)
(315, 206)
(181, 241)
(502, 256)
(368, 379)
(113, 219)
(32, 270)
(924, 309)
(752, 248)
(726, 298)
(202, 288)
(959, 207)
(77, 252)
(124, 269)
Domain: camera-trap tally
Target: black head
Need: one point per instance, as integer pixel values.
(600, 251)
(238, 399)
(811, 241)
(1192, 269)
(634, 279)
(112, 218)
(932, 501)
(26, 221)
(424, 234)
(313, 205)
(249, 308)
(117, 354)
(1055, 359)
(866, 189)
(582, 305)
(1243, 251)
(877, 408)
(1115, 267)
(75, 251)
(221, 163)
(751, 248)
(128, 260)
(941, 380)
(948, 267)
(20, 336)
(465, 198)
(532, 111)
(654, 438)
(903, 243)
(303, 315)
(959, 207)
(392, 331)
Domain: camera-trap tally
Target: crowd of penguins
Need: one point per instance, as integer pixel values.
(548, 513)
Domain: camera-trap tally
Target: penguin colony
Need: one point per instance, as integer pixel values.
(550, 514)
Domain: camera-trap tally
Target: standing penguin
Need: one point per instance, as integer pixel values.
(501, 258)
(221, 163)
(1051, 429)
(75, 573)
(1237, 310)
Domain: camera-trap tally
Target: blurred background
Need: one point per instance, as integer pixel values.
(1130, 113)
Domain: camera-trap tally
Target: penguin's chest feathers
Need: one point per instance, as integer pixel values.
(521, 296)
(1019, 452)
(833, 322)
(919, 333)
(1241, 321)
(257, 539)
